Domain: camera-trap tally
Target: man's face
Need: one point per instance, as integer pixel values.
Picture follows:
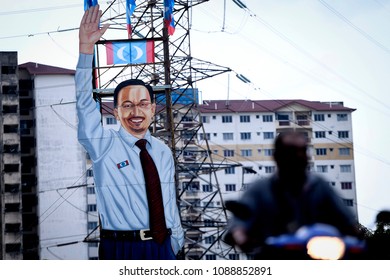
(135, 119)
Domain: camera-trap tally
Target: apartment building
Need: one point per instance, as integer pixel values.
(242, 132)
(54, 166)
(11, 204)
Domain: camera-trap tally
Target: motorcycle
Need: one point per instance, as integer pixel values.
(317, 241)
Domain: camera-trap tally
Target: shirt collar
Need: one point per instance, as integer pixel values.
(130, 139)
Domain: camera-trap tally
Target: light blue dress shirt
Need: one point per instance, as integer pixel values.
(119, 180)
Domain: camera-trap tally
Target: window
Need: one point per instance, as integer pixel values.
(93, 244)
(321, 152)
(12, 188)
(12, 207)
(10, 109)
(90, 190)
(26, 106)
(207, 188)
(268, 118)
(245, 119)
(342, 117)
(322, 168)
(13, 247)
(230, 170)
(9, 90)
(344, 151)
(230, 187)
(319, 117)
(204, 136)
(345, 168)
(227, 136)
(234, 256)
(270, 169)
(191, 187)
(211, 257)
(283, 119)
(346, 185)
(11, 128)
(26, 126)
(319, 134)
(228, 153)
(187, 119)
(11, 148)
(209, 239)
(92, 208)
(7, 70)
(246, 153)
(90, 173)
(268, 135)
(245, 135)
(11, 168)
(343, 134)
(205, 119)
(227, 119)
(348, 202)
(268, 152)
(111, 120)
(92, 225)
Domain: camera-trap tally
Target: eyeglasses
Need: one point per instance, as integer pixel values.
(143, 105)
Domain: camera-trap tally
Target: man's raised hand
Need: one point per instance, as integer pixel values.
(90, 32)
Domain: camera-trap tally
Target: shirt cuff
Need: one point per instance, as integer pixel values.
(85, 60)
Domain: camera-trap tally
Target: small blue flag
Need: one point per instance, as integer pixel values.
(89, 3)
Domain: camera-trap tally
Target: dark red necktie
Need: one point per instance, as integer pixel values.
(154, 195)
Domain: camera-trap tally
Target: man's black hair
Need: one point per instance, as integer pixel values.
(131, 82)
(279, 141)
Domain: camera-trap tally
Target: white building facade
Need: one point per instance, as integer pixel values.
(58, 174)
(242, 132)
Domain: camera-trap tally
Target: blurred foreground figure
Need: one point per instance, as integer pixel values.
(284, 202)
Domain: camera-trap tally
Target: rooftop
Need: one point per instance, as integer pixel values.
(235, 106)
(34, 68)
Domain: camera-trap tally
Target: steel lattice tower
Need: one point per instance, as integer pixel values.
(178, 121)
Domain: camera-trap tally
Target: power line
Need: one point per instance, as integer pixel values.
(307, 54)
(364, 34)
(309, 73)
(34, 10)
(39, 33)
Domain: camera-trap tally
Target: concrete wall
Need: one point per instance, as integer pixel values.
(61, 166)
